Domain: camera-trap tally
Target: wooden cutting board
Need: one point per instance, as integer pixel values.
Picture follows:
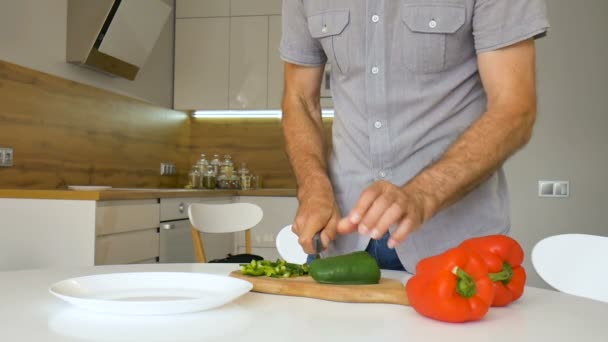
(388, 291)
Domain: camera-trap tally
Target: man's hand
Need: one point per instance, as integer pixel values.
(317, 211)
(383, 204)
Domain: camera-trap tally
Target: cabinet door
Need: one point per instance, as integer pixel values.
(202, 8)
(275, 64)
(201, 63)
(254, 7)
(248, 62)
(125, 248)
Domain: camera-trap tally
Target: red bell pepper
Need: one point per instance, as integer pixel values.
(453, 286)
(503, 256)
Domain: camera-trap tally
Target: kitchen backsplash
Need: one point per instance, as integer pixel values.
(66, 133)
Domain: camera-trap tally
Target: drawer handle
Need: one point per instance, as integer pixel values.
(181, 207)
(167, 226)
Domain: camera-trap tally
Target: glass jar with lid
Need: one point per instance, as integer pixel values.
(235, 182)
(202, 164)
(227, 166)
(209, 179)
(194, 178)
(245, 177)
(215, 164)
(222, 181)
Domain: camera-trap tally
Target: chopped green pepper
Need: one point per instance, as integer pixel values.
(278, 269)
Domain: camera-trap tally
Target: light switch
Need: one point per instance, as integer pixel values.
(545, 188)
(553, 188)
(561, 189)
(6, 157)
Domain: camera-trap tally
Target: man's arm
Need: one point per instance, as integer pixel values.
(307, 150)
(508, 77)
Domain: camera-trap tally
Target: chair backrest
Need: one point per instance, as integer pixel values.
(222, 218)
(576, 264)
(288, 246)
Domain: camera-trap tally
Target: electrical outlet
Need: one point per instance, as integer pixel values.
(167, 169)
(6, 157)
(553, 188)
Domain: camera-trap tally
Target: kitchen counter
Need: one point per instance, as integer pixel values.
(137, 193)
(29, 312)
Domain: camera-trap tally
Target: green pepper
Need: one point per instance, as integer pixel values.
(278, 269)
(355, 268)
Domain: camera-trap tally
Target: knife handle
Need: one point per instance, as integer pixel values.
(317, 243)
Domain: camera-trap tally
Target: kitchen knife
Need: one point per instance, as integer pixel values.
(317, 245)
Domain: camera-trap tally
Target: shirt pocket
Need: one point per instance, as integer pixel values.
(330, 28)
(427, 28)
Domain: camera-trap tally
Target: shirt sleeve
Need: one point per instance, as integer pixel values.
(297, 45)
(500, 23)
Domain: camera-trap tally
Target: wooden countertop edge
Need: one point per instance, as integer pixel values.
(117, 194)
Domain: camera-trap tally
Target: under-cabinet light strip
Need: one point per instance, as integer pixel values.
(326, 113)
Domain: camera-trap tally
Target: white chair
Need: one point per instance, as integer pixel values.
(576, 264)
(289, 248)
(222, 218)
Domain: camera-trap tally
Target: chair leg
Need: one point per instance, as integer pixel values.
(199, 250)
(248, 241)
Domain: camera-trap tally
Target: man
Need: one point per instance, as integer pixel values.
(430, 97)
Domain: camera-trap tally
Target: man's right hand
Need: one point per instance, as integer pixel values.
(317, 211)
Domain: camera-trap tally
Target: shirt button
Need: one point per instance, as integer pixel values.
(375, 18)
(378, 124)
(375, 70)
(432, 23)
(381, 174)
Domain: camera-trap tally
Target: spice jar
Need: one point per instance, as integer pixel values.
(194, 178)
(245, 177)
(215, 164)
(222, 181)
(209, 179)
(227, 166)
(235, 182)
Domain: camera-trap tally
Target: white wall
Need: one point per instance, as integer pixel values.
(33, 34)
(570, 140)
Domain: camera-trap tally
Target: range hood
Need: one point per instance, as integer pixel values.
(114, 36)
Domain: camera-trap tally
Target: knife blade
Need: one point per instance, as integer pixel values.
(317, 244)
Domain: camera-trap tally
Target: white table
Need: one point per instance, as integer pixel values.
(28, 312)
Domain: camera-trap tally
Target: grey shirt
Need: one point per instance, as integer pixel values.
(405, 85)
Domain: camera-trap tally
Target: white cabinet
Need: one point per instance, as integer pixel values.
(225, 8)
(126, 231)
(275, 63)
(52, 233)
(248, 62)
(228, 62)
(202, 8)
(39, 233)
(221, 63)
(202, 52)
(255, 7)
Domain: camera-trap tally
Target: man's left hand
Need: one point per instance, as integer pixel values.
(384, 204)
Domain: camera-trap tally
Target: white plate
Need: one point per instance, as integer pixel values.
(150, 293)
(89, 187)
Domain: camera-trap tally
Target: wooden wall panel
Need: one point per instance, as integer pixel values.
(64, 132)
(258, 142)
